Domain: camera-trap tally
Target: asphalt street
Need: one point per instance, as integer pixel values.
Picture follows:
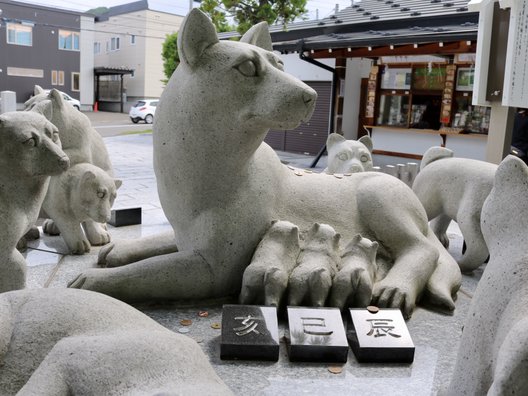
(115, 124)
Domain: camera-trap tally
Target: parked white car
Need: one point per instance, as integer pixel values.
(74, 102)
(144, 109)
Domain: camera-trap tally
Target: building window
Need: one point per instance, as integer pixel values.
(20, 34)
(97, 47)
(54, 77)
(25, 72)
(75, 82)
(114, 44)
(61, 77)
(69, 40)
(132, 39)
(107, 46)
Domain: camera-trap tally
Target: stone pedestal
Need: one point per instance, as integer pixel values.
(124, 217)
(7, 101)
(249, 332)
(317, 335)
(380, 335)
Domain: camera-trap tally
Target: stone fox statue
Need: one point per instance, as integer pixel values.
(220, 185)
(60, 342)
(493, 354)
(30, 152)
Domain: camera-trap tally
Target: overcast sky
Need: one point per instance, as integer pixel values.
(181, 7)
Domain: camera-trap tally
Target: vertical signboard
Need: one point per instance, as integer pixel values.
(516, 73)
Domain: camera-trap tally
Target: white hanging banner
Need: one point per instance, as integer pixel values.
(515, 92)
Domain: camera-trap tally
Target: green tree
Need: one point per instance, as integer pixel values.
(169, 53)
(247, 13)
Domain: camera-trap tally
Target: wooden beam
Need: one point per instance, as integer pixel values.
(448, 48)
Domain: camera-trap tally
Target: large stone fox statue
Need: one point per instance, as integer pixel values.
(220, 186)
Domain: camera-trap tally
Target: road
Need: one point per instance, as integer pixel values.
(114, 124)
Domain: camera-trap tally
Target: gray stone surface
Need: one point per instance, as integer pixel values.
(63, 342)
(348, 156)
(220, 187)
(84, 194)
(493, 354)
(436, 336)
(29, 154)
(455, 189)
(83, 145)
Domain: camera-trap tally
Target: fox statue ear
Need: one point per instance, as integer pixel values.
(37, 90)
(56, 98)
(367, 141)
(196, 34)
(258, 35)
(333, 139)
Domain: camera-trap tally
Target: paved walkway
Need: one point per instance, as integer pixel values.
(435, 335)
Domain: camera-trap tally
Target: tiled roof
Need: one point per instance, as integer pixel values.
(368, 11)
(382, 22)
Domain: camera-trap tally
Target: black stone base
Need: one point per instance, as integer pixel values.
(317, 335)
(249, 332)
(124, 217)
(380, 337)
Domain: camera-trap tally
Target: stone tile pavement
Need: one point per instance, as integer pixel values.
(435, 335)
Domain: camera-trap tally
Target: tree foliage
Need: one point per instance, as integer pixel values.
(247, 13)
(169, 53)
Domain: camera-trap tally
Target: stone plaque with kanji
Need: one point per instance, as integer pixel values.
(317, 335)
(249, 332)
(380, 335)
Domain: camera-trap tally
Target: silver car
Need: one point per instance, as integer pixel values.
(144, 110)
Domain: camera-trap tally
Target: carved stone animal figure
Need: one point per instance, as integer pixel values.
(220, 186)
(455, 189)
(266, 278)
(80, 141)
(59, 342)
(311, 279)
(493, 354)
(83, 194)
(29, 153)
(348, 156)
(356, 274)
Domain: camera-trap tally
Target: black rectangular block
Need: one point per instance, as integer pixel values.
(317, 335)
(249, 332)
(124, 217)
(380, 336)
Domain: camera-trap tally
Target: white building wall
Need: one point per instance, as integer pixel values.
(305, 71)
(158, 26)
(356, 69)
(86, 81)
(150, 29)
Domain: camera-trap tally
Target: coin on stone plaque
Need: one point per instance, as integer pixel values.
(298, 173)
(338, 175)
(186, 322)
(291, 167)
(308, 171)
(335, 369)
(372, 309)
(348, 174)
(183, 330)
(216, 325)
(203, 314)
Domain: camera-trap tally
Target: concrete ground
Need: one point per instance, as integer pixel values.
(435, 335)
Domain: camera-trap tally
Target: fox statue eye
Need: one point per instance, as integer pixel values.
(31, 142)
(101, 194)
(247, 68)
(343, 156)
(364, 158)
